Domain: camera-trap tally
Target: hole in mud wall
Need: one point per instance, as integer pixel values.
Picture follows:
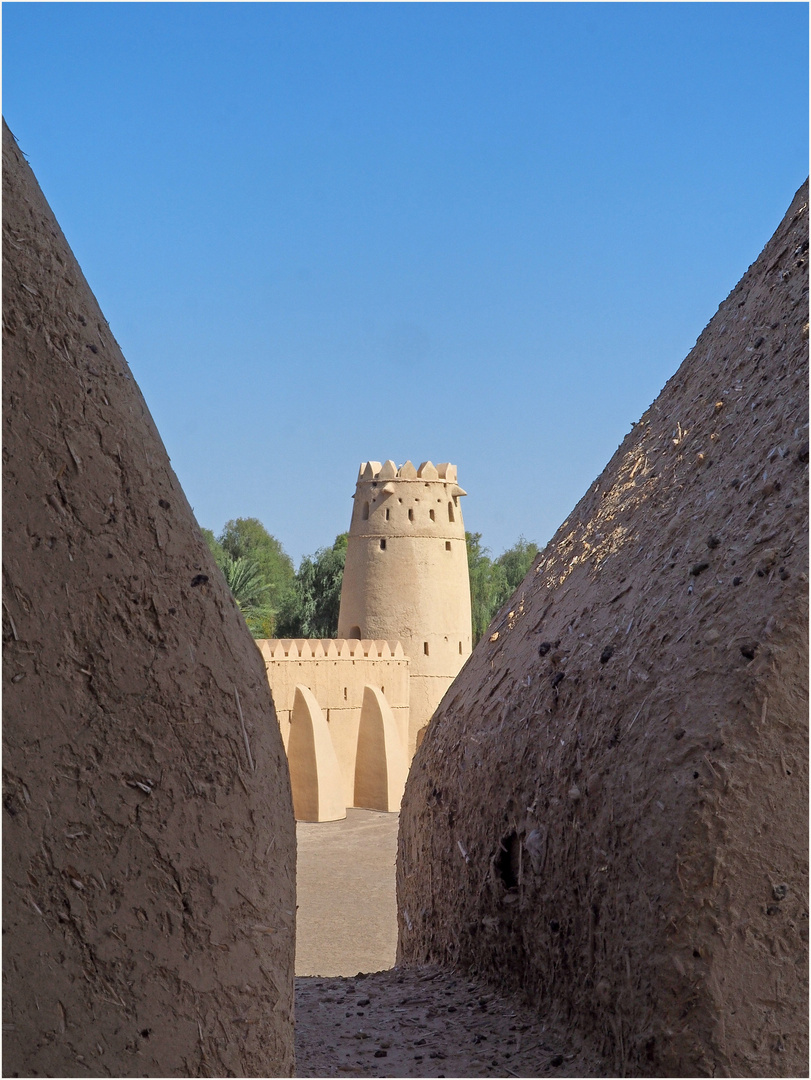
(508, 862)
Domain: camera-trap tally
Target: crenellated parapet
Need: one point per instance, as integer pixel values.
(329, 649)
(374, 471)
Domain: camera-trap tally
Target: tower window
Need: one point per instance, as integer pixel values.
(366, 511)
(460, 648)
(432, 515)
(382, 545)
(447, 545)
(354, 633)
(410, 514)
(425, 647)
(387, 513)
(450, 512)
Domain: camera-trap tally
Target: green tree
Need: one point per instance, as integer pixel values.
(249, 589)
(215, 547)
(487, 583)
(247, 538)
(493, 582)
(312, 610)
(516, 562)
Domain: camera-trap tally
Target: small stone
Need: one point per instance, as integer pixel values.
(712, 636)
(574, 793)
(779, 892)
(362, 1002)
(748, 649)
(544, 648)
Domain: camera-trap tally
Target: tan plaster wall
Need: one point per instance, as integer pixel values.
(406, 575)
(336, 671)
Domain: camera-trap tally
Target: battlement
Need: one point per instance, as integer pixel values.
(329, 649)
(375, 471)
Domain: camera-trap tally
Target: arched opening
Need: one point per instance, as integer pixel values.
(354, 634)
(382, 545)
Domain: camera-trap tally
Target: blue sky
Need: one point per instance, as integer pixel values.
(482, 233)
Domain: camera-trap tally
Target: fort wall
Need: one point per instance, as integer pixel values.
(338, 673)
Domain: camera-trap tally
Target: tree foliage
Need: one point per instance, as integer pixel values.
(250, 590)
(317, 593)
(245, 543)
(492, 582)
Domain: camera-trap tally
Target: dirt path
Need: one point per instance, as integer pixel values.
(414, 1021)
(424, 1022)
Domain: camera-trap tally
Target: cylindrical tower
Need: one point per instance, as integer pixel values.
(406, 575)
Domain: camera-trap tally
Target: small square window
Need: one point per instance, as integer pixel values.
(447, 545)
(382, 545)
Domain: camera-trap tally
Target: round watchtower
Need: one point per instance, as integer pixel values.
(406, 575)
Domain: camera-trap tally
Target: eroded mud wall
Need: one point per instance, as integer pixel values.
(148, 834)
(610, 806)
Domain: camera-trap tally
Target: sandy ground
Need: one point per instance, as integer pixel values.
(347, 915)
(415, 1021)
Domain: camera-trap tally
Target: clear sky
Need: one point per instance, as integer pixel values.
(478, 233)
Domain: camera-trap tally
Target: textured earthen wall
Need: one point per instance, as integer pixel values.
(610, 807)
(148, 834)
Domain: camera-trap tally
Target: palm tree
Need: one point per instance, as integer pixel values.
(249, 589)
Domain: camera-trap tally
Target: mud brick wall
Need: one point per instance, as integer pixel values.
(148, 834)
(610, 807)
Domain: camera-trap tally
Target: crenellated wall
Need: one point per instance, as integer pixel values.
(339, 673)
